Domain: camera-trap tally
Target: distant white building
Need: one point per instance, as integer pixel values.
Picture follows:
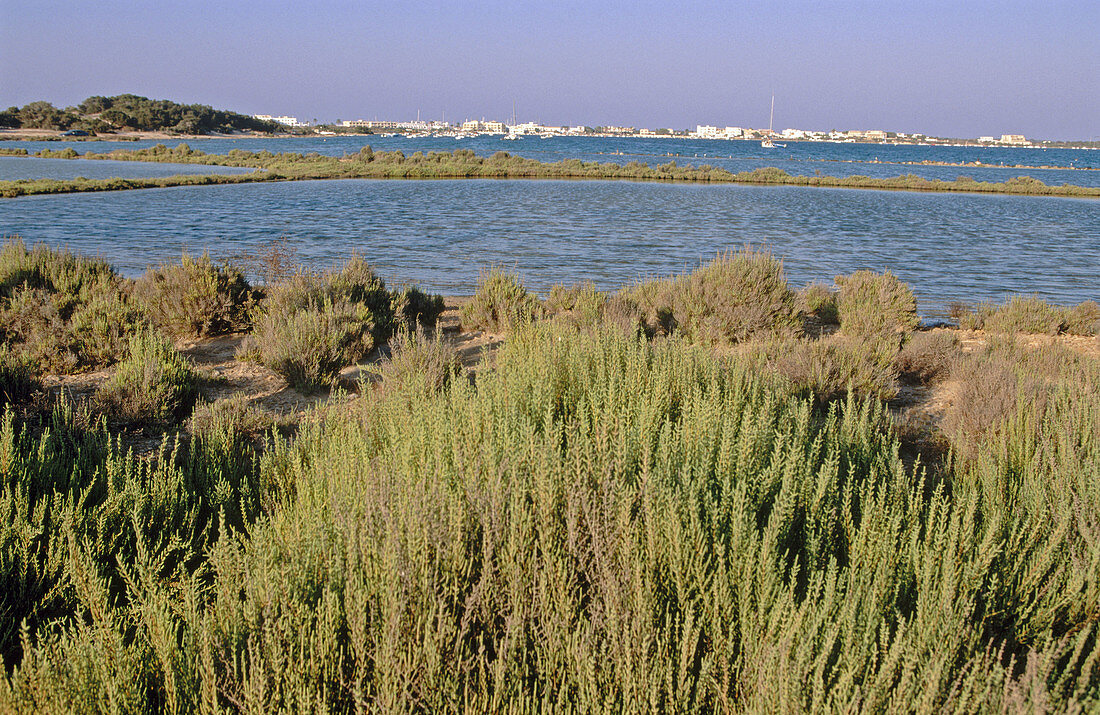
(288, 121)
(987, 140)
(1013, 139)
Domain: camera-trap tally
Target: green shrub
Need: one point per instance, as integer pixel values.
(818, 300)
(18, 377)
(736, 297)
(1083, 319)
(928, 356)
(153, 382)
(229, 419)
(500, 303)
(416, 360)
(872, 304)
(310, 326)
(65, 312)
(1026, 314)
(195, 298)
(834, 367)
(414, 309)
(580, 305)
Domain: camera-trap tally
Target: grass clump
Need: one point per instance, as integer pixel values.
(311, 326)
(500, 303)
(65, 312)
(153, 382)
(195, 297)
(874, 304)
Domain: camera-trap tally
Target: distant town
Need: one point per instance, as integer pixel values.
(478, 127)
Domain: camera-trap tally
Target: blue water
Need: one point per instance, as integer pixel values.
(22, 167)
(441, 234)
(1073, 166)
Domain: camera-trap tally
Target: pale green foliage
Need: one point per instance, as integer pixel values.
(873, 304)
(65, 312)
(417, 362)
(1030, 314)
(598, 525)
(500, 303)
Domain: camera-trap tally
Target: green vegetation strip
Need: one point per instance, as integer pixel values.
(464, 164)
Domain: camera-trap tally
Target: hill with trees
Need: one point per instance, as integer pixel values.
(129, 112)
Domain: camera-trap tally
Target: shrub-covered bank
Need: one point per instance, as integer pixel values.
(463, 164)
(656, 499)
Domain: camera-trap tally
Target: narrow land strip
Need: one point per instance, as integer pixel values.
(465, 164)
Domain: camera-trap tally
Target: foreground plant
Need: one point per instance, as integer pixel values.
(195, 297)
(153, 382)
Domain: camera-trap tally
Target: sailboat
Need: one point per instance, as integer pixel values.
(767, 143)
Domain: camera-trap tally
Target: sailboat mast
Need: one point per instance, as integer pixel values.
(771, 117)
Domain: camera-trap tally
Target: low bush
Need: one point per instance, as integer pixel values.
(580, 305)
(229, 419)
(500, 303)
(417, 360)
(1083, 319)
(1026, 314)
(928, 356)
(833, 367)
(153, 382)
(65, 312)
(817, 300)
(412, 308)
(195, 297)
(736, 297)
(873, 304)
(310, 326)
(18, 377)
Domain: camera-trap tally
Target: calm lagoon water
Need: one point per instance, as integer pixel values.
(24, 167)
(440, 234)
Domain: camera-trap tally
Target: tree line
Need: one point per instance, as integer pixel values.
(131, 112)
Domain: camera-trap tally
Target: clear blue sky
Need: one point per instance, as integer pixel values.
(956, 68)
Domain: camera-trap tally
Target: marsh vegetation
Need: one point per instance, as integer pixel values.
(705, 492)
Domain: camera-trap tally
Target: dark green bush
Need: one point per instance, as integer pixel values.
(875, 304)
(18, 377)
(500, 303)
(195, 297)
(153, 382)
